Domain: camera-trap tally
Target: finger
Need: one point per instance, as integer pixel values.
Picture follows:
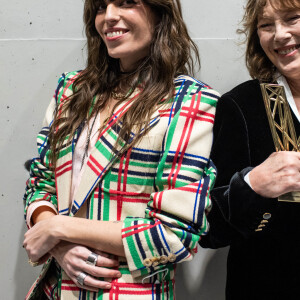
(36, 256)
(94, 283)
(43, 259)
(104, 254)
(104, 259)
(87, 287)
(107, 262)
(102, 272)
(32, 256)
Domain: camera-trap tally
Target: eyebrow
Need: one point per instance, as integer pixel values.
(106, 1)
(263, 16)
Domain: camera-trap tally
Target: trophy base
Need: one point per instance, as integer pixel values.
(290, 197)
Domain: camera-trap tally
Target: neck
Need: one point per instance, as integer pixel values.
(127, 68)
(295, 89)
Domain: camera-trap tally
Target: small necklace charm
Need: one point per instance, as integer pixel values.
(118, 96)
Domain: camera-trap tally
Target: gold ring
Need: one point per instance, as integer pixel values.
(33, 263)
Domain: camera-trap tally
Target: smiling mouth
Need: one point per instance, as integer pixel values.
(115, 33)
(288, 51)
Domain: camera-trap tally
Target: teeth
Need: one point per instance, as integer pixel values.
(287, 51)
(114, 33)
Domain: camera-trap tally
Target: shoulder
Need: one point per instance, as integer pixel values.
(243, 104)
(186, 87)
(245, 98)
(65, 85)
(67, 78)
(244, 92)
(195, 85)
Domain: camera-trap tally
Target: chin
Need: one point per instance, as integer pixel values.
(112, 55)
(291, 73)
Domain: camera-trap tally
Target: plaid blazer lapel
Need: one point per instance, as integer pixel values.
(63, 174)
(102, 156)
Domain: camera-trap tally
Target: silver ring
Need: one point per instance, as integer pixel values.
(92, 259)
(80, 278)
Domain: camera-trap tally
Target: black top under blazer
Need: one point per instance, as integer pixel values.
(261, 264)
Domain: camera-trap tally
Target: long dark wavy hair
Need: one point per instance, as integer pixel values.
(258, 64)
(172, 52)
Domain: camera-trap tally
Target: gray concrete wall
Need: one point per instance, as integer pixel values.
(39, 40)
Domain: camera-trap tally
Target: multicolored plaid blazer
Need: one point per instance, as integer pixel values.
(160, 189)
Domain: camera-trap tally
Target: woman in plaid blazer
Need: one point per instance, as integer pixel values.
(120, 190)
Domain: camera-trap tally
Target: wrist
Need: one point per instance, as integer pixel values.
(55, 250)
(253, 176)
(59, 227)
(42, 213)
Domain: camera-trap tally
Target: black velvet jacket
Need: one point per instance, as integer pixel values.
(262, 264)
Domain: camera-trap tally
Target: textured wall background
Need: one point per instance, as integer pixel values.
(39, 40)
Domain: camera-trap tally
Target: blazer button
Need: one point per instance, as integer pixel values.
(147, 262)
(155, 263)
(172, 257)
(267, 216)
(164, 259)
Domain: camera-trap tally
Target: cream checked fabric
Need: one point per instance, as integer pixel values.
(160, 189)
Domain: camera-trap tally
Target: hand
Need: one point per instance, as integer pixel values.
(72, 258)
(40, 239)
(277, 175)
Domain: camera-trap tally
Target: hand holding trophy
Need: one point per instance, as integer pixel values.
(281, 125)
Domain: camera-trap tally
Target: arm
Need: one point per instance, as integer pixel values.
(237, 210)
(41, 208)
(40, 187)
(46, 234)
(241, 145)
(176, 215)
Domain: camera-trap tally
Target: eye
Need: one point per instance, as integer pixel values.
(293, 18)
(101, 7)
(265, 23)
(128, 3)
(265, 26)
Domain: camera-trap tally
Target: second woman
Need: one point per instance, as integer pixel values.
(263, 233)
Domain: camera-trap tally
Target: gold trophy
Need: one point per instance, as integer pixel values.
(283, 130)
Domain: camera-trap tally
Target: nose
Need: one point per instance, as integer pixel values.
(281, 32)
(112, 13)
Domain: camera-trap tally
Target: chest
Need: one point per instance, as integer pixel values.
(261, 143)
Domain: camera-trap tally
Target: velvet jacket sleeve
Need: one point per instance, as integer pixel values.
(175, 217)
(241, 141)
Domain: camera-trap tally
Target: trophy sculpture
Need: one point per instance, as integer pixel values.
(283, 129)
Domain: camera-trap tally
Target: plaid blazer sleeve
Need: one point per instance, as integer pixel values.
(41, 183)
(175, 217)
